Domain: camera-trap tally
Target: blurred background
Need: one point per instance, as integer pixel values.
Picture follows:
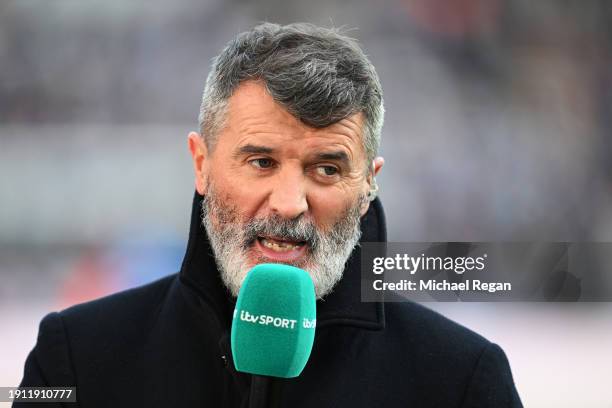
(498, 128)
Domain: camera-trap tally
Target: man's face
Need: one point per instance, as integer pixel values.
(277, 190)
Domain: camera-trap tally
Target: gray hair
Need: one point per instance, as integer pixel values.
(317, 74)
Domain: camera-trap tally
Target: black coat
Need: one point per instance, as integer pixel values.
(166, 344)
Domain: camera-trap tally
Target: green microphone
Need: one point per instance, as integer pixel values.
(274, 321)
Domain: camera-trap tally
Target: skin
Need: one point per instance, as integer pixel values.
(266, 161)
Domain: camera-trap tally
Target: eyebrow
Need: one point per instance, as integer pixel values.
(336, 156)
(253, 149)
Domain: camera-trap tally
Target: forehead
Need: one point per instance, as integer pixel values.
(252, 112)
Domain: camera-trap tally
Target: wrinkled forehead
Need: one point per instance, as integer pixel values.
(252, 113)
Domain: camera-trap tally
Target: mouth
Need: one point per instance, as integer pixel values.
(281, 250)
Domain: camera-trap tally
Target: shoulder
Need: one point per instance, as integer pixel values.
(431, 338)
(449, 352)
(434, 337)
(96, 330)
(418, 321)
(121, 307)
(113, 321)
(127, 311)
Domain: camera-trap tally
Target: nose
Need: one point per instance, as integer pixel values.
(288, 195)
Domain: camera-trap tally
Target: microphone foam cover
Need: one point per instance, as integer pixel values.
(274, 321)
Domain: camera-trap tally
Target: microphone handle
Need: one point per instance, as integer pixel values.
(265, 392)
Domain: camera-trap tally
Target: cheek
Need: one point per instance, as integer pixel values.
(328, 206)
(245, 197)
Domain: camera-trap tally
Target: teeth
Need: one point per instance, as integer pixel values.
(278, 246)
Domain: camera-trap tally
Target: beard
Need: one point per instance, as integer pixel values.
(232, 239)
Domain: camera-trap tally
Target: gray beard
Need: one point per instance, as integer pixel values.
(230, 240)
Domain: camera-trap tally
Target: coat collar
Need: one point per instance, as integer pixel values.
(342, 307)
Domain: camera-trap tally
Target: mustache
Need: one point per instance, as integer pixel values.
(298, 230)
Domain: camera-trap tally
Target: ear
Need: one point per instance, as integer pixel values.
(372, 188)
(377, 165)
(199, 155)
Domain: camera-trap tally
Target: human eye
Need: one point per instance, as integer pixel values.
(327, 170)
(262, 163)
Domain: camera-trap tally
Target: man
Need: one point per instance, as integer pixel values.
(284, 165)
